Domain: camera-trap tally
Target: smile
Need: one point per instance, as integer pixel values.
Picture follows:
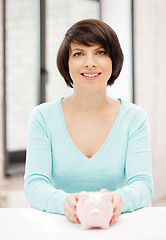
(90, 75)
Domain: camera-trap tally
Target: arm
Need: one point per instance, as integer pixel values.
(138, 191)
(38, 187)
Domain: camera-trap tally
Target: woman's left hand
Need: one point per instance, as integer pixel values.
(117, 205)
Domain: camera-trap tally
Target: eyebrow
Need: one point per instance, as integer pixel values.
(76, 49)
(79, 49)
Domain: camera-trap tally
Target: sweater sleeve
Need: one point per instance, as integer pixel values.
(38, 187)
(138, 190)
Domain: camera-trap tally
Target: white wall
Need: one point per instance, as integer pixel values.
(150, 81)
(117, 14)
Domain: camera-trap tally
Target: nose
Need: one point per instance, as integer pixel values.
(90, 61)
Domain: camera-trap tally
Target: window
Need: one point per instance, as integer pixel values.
(20, 78)
(33, 32)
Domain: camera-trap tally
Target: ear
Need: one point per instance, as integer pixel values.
(107, 195)
(83, 195)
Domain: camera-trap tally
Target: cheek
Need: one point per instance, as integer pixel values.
(109, 63)
(74, 67)
(108, 66)
(106, 62)
(70, 64)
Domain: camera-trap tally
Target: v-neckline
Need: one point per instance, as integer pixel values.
(73, 145)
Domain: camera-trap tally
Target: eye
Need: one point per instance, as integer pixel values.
(101, 52)
(77, 54)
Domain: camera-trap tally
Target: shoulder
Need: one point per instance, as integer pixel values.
(133, 111)
(45, 111)
(135, 117)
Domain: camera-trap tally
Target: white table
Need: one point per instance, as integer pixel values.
(30, 224)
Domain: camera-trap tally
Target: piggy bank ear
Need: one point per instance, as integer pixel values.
(107, 195)
(83, 195)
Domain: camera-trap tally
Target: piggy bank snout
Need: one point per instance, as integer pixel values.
(95, 212)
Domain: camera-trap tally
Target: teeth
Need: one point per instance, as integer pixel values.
(90, 75)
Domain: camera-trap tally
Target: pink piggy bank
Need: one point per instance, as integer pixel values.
(94, 209)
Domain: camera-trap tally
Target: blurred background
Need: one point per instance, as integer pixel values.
(30, 35)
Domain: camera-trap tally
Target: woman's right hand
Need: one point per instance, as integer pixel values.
(117, 205)
(70, 205)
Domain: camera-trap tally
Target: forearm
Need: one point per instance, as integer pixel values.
(42, 195)
(138, 190)
(136, 195)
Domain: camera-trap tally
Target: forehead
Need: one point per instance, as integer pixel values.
(74, 46)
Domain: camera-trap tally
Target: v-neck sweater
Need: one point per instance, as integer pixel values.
(55, 166)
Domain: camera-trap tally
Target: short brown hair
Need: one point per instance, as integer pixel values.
(87, 32)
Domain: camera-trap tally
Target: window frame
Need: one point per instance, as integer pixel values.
(14, 161)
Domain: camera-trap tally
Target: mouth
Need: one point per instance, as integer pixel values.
(91, 75)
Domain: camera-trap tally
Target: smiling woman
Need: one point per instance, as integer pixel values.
(98, 33)
(88, 141)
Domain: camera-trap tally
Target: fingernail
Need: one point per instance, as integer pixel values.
(110, 221)
(78, 220)
(75, 215)
(114, 210)
(75, 206)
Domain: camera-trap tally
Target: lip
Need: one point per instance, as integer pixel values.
(90, 78)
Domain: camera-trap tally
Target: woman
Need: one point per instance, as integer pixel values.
(88, 141)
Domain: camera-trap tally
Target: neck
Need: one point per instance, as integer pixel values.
(89, 101)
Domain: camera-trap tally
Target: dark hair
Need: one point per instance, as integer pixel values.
(87, 32)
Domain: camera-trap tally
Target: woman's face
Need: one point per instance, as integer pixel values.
(89, 67)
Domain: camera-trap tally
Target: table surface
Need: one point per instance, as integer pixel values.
(27, 224)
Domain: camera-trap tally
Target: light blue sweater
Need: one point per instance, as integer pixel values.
(56, 167)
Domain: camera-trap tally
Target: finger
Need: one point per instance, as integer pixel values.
(116, 200)
(117, 207)
(114, 219)
(70, 217)
(117, 210)
(72, 200)
(115, 216)
(70, 213)
(104, 190)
